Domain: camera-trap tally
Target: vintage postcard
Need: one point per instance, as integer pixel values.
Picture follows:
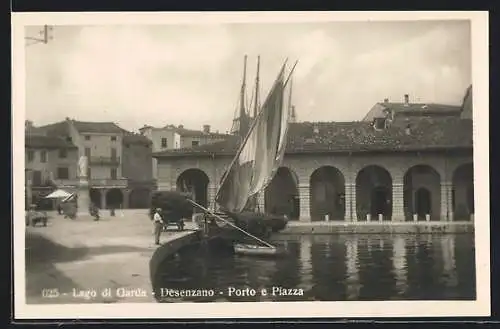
(251, 165)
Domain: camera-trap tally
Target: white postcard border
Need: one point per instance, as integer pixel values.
(480, 70)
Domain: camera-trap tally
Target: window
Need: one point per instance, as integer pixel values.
(37, 178)
(379, 123)
(63, 153)
(89, 173)
(87, 152)
(30, 155)
(43, 156)
(195, 143)
(163, 142)
(87, 137)
(113, 138)
(113, 153)
(113, 173)
(63, 173)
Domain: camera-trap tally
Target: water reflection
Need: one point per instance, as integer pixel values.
(399, 264)
(340, 267)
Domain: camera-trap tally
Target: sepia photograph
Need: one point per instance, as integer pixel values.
(255, 164)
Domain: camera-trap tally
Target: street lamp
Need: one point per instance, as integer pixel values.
(44, 36)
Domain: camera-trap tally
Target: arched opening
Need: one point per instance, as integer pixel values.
(422, 193)
(139, 198)
(281, 196)
(327, 194)
(373, 193)
(423, 202)
(195, 182)
(114, 198)
(95, 197)
(463, 192)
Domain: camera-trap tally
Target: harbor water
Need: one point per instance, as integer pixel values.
(328, 268)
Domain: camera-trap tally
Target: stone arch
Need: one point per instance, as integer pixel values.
(281, 196)
(422, 192)
(373, 193)
(114, 198)
(327, 194)
(463, 192)
(139, 198)
(194, 181)
(95, 197)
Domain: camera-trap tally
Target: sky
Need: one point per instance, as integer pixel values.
(192, 74)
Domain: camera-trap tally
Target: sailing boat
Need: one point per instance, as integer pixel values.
(256, 162)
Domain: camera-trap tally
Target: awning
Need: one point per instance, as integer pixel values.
(58, 194)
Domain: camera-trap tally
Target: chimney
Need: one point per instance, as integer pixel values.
(206, 129)
(407, 99)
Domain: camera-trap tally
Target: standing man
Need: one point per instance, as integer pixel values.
(158, 225)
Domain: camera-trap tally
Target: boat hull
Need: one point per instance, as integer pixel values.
(253, 250)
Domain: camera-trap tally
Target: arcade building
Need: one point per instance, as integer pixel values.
(403, 162)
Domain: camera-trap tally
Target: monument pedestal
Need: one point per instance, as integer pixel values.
(83, 199)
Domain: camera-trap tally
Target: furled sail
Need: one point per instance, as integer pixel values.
(260, 154)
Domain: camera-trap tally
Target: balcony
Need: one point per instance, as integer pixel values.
(108, 183)
(61, 183)
(104, 161)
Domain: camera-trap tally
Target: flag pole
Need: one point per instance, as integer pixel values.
(254, 123)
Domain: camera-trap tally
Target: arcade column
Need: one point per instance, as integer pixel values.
(446, 201)
(126, 198)
(398, 213)
(350, 202)
(305, 214)
(102, 193)
(261, 202)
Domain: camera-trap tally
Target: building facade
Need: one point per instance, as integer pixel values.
(48, 160)
(395, 165)
(137, 160)
(173, 137)
(113, 161)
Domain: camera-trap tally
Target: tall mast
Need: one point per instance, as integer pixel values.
(291, 108)
(243, 122)
(256, 104)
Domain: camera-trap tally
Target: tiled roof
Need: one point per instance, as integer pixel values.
(46, 142)
(358, 136)
(421, 107)
(60, 128)
(412, 109)
(97, 127)
(131, 138)
(197, 133)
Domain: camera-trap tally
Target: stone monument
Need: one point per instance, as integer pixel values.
(83, 194)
